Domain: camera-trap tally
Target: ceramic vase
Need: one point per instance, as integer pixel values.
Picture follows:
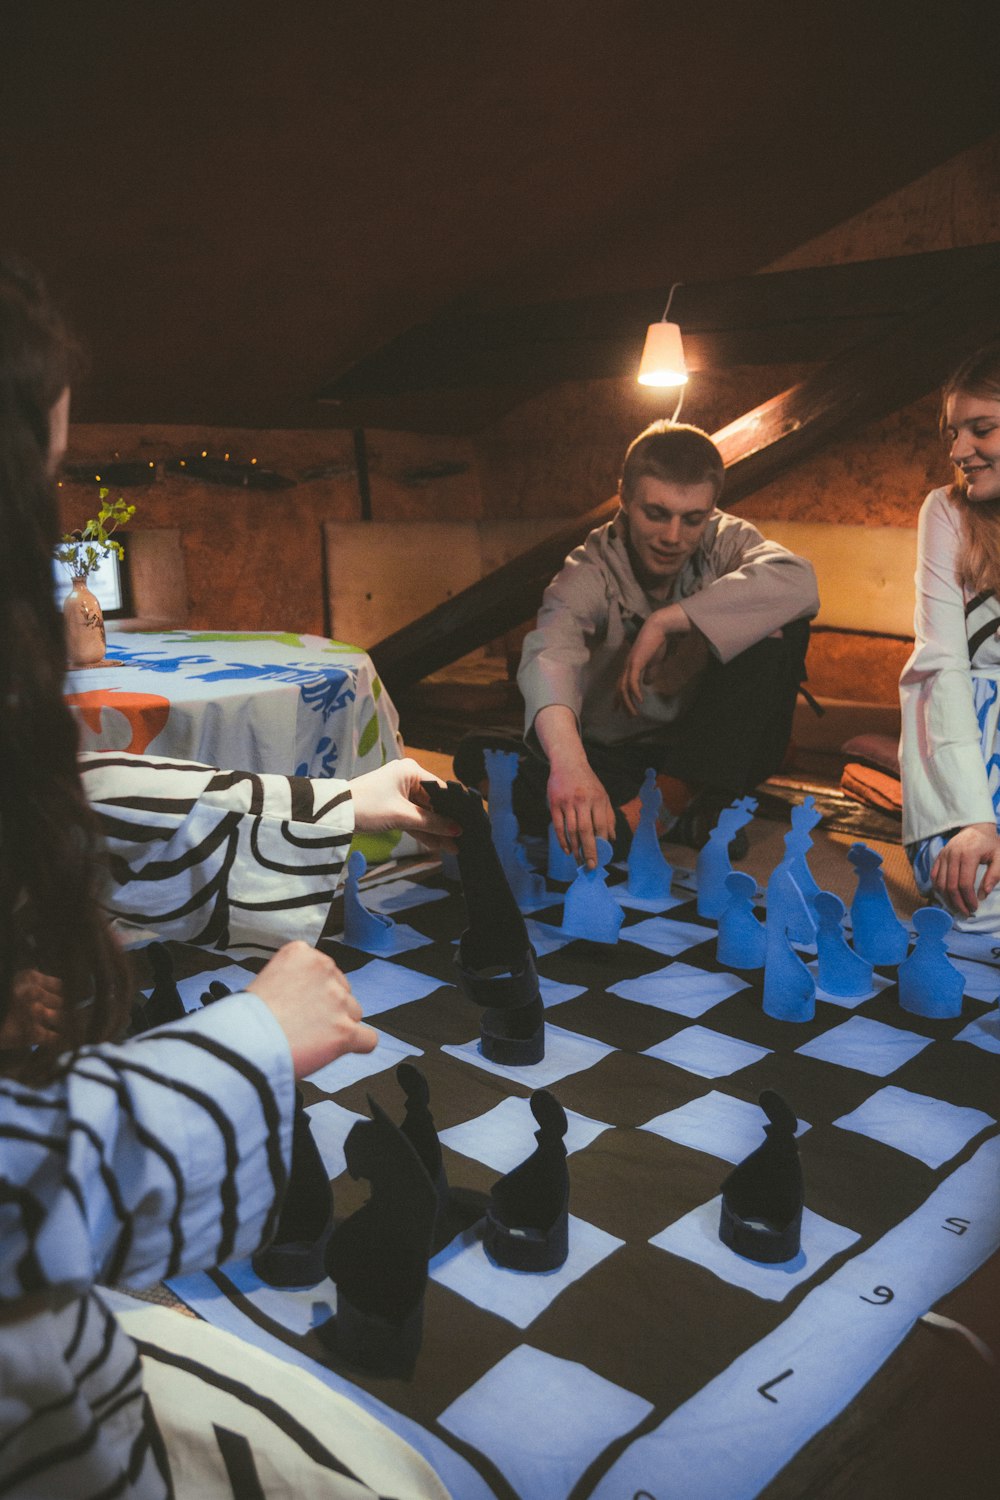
(85, 644)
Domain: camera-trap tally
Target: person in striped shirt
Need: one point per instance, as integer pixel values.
(122, 1163)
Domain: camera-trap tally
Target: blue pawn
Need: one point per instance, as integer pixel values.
(501, 768)
(804, 818)
(789, 988)
(712, 866)
(879, 935)
(787, 908)
(649, 874)
(561, 866)
(929, 983)
(841, 970)
(590, 910)
(363, 929)
(742, 942)
(527, 886)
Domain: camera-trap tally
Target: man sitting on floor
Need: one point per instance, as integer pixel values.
(674, 637)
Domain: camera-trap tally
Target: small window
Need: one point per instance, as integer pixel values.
(110, 584)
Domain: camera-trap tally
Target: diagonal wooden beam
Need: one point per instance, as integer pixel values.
(860, 386)
(775, 317)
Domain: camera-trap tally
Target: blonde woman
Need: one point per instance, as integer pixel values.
(950, 687)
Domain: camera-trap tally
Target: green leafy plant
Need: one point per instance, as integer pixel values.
(83, 551)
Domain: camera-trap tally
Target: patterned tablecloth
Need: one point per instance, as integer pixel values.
(293, 704)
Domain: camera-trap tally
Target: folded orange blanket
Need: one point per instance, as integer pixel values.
(874, 787)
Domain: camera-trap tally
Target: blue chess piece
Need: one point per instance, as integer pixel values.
(787, 908)
(590, 910)
(804, 818)
(501, 768)
(742, 942)
(561, 866)
(527, 886)
(649, 874)
(789, 988)
(879, 935)
(713, 866)
(929, 983)
(841, 970)
(363, 929)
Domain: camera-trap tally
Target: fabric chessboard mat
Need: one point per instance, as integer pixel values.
(629, 1370)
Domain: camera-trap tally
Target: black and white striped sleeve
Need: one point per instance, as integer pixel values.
(216, 857)
(164, 1155)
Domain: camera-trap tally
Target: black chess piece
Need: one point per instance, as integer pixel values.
(419, 1128)
(216, 991)
(495, 959)
(295, 1256)
(527, 1223)
(378, 1257)
(762, 1196)
(164, 1003)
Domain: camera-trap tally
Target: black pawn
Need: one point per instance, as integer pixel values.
(527, 1223)
(216, 991)
(419, 1128)
(295, 1255)
(378, 1257)
(164, 1003)
(762, 1196)
(495, 959)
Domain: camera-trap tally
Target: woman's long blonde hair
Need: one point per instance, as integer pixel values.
(978, 565)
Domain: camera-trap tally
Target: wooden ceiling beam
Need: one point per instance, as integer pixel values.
(776, 317)
(858, 387)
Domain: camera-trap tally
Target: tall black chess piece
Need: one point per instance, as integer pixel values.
(419, 1128)
(762, 1196)
(495, 959)
(527, 1224)
(295, 1256)
(164, 1003)
(378, 1257)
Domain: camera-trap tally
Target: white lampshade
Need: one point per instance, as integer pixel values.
(662, 360)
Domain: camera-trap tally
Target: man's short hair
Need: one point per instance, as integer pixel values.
(675, 453)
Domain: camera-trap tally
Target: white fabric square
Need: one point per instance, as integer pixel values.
(542, 1420)
(707, 1053)
(344, 1071)
(982, 981)
(646, 903)
(233, 976)
(695, 1237)
(664, 936)
(554, 993)
(330, 1124)
(518, 1296)
(545, 938)
(984, 947)
(870, 1046)
(849, 1002)
(296, 1308)
(566, 1052)
(680, 988)
(930, 1129)
(505, 1135)
(399, 895)
(983, 1032)
(379, 986)
(716, 1123)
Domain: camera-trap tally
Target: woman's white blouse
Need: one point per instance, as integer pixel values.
(945, 780)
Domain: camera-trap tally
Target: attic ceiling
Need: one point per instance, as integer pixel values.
(239, 204)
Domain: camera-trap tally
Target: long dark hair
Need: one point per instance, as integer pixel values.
(50, 872)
